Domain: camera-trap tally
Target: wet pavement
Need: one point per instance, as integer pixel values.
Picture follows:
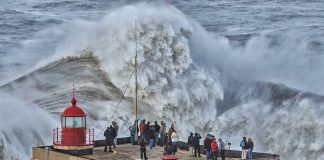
(128, 152)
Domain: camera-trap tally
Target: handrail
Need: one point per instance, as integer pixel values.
(57, 135)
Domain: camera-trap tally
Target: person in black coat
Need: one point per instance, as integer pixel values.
(207, 146)
(142, 142)
(191, 144)
(113, 134)
(147, 129)
(151, 136)
(196, 144)
(109, 139)
(157, 132)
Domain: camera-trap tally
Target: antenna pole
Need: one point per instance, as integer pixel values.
(73, 91)
(136, 119)
(135, 71)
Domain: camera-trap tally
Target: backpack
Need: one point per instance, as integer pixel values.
(242, 144)
(106, 133)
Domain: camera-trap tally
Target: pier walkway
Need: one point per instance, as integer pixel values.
(126, 151)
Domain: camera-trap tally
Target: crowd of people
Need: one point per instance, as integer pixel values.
(214, 147)
(144, 133)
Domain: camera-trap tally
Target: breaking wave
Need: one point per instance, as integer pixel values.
(184, 74)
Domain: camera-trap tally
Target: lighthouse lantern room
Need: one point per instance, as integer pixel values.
(73, 137)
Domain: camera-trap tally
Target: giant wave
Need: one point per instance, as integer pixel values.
(183, 79)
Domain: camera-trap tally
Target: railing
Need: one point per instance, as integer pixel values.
(90, 137)
(57, 136)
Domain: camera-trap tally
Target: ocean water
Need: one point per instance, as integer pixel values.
(193, 53)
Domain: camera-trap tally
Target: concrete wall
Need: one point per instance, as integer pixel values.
(234, 153)
(46, 153)
(124, 140)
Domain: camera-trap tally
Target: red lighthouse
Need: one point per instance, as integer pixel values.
(73, 137)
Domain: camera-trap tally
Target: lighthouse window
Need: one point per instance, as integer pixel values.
(63, 122)
(73, 122)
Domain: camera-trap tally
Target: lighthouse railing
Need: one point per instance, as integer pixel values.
(90, 136)
(57, 136)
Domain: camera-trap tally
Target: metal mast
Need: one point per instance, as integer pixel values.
(136, 118)
(135, 72)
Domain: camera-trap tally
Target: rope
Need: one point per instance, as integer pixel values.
(115, 107)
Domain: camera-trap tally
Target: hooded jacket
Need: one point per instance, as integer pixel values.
(221, 144)
(162, 128)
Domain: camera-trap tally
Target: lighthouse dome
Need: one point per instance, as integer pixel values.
(73, 111)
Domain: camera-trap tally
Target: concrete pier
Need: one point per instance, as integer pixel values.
(125, 150)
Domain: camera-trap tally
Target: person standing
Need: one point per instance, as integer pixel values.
(108, 135)
(250, 146)
(142, 143)
(113, 135)
(157, 133)
(136, 127)
(243, 145)
(132, 133)
(147, 129)
(196, 144)
(162, 133)
(171, 130)
(221, 147)
(116, 132)
(207, 144)
(174, 140)
(142, 127)
(191, 144)
(151, 136)
(214, 149)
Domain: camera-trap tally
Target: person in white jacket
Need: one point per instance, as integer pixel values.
(175, 140)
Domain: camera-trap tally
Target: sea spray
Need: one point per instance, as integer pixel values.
(169, 81)
(23, 125)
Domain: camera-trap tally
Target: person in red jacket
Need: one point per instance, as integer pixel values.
(142, 127)
(214, 149)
